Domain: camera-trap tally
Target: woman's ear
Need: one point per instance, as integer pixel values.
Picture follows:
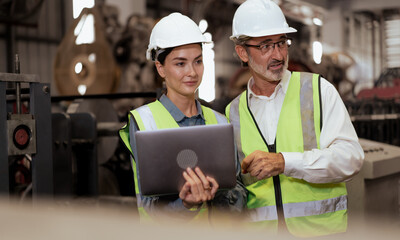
(242, 53)
(160, 69)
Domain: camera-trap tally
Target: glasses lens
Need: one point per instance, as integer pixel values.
(266, 48)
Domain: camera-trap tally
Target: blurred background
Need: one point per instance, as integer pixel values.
(70, 70)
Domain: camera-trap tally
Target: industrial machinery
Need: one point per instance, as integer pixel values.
(25, 135)
(52, 153)
(87, 111)
(374, 192)
(84, 63)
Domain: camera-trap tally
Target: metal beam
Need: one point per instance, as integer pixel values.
(4, 172)
(42, 161)
(13, 77)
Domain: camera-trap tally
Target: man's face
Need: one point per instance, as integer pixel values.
(268, 64)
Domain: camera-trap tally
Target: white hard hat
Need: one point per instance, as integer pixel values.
(172, 31)
(257, 18)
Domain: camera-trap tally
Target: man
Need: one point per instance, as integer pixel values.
(296, 142)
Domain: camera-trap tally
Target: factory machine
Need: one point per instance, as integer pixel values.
(374, 193)
(66, 144)
(48, 152)
(25, 135)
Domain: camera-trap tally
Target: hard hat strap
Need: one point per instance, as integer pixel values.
(157, 52)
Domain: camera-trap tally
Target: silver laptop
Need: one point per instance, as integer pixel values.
(163, 155)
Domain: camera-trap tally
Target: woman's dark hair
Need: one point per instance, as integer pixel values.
(163, 53)
(161, 56)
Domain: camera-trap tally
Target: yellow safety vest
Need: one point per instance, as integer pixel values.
(305, 209)
(155, 116)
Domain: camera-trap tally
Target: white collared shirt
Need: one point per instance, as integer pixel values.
(340, 157)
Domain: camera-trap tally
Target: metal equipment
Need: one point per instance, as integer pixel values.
(387, 86)
(26, 133)
(376, 119)
(90, 159)
(375, 192)
(85, 66)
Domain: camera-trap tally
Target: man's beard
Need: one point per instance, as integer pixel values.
(270, 75)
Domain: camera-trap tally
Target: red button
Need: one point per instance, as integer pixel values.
(21, 137)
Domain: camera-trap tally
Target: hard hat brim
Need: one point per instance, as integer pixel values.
(269, 32)
(148, 52)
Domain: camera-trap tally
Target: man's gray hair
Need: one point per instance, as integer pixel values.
(241, 40)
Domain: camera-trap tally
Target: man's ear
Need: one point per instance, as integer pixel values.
(242, 53)
(160, 69)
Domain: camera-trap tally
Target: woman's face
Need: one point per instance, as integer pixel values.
(182, 70)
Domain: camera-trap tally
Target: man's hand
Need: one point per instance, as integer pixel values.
(263, 164)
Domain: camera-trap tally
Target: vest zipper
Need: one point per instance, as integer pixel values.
(278, 196)
(279, 205)
(277, 182)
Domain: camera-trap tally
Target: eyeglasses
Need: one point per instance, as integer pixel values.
(267, 48)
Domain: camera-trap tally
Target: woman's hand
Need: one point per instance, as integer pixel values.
(198, 188)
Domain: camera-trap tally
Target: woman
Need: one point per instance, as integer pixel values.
(176, 48)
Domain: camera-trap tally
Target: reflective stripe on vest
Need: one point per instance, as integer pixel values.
(301, 209)
(155, 116)
(298, 130)
(147, 116)
(307, 112)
